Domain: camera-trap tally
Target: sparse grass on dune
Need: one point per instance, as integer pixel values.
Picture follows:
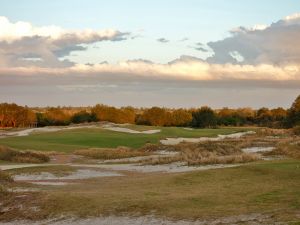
(287, 148)
(211, 158)
(11, 155)
(219, 152)
(106, 154)
(161, 160)
(203, 153)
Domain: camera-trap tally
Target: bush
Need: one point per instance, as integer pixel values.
(204, 117)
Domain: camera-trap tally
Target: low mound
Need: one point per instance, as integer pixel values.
(221, 152)
(11, 155)
(108, 153)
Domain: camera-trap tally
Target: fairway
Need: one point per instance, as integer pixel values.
(69, 140)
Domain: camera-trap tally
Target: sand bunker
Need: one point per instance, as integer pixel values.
(257, 149)
(175, 141)
(109, 126)
(77, 175)
(130, 131)
(27, 132)
(165, 168)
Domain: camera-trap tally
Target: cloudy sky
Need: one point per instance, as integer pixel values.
(166, 53)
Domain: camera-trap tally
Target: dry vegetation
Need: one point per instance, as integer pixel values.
(161, 160)
(11, 155)
(220, 152)
(107, 153)
(5, 178)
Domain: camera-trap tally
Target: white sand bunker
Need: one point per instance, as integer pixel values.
(175, 141)
(44, 177)
(27, 132)
(257, 149)
(178, 167)
(130, 131)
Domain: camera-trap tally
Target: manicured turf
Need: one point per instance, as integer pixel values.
(69, 140)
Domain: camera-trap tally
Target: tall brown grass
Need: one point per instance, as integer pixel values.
(5, 178)
(161, 160)
(11, 155)
(219, 152)
(107, 153)
(291, 150)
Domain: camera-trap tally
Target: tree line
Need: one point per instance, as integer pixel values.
(12, 115)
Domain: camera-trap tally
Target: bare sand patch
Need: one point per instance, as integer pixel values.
(175, 141)
(257, 149)
(77, 175)
(165, 168)
(254, 218)
(130, 131)
(27, 132)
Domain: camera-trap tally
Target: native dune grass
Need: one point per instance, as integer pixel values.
(107, 154)
(225, 151)
(11, 155)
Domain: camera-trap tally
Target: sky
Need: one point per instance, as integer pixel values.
(170, 53)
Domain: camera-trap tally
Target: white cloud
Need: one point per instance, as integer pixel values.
(275, 44)
(185, 68)
(49, 43)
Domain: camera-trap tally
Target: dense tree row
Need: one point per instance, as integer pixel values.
(12, 115)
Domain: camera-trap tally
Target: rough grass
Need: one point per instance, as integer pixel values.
(11, 155)
(70, 140)
(266, 187)
(5, 178)
(55, 170)
(107, 154)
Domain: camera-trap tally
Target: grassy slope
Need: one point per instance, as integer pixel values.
(258, 187)
(69, 140)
